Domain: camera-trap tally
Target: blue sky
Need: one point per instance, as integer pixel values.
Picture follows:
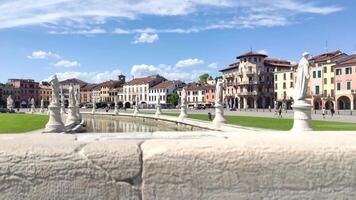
(96, 40)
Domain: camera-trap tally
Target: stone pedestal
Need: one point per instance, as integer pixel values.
(136, 110)
(183, 113)
(72, 118)
(55, 123)
(32, 109)
(77, 111)
(158, 110)
(302, 116)
(219, 118)
(116, 111)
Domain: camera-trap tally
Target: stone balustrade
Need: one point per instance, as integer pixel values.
(193, 165)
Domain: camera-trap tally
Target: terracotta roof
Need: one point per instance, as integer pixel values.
(231, 66)
(325, 56)
(73, 81)
(347, 62)
(165, 84)
(251, 53)
(278, 63)
(108, 84)
(144, 80)
(88, 87)
(199, 87)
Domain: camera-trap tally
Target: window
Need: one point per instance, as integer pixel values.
(338, 86)
(291, 76)
(325, 80)
(284, 85)
(319, 74)
(325, 92)
(284, 76)
(348, 85)
(332, 80)
(275, 77)
(317, 90)
(291, 84)
(314, 74)
(338, 71)
(349, 70)
(325, 69)
(276, 86)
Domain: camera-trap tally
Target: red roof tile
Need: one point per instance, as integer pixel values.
(251, 53)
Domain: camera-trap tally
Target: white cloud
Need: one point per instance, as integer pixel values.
(81, 32)
(146, 38)
(80, 15)
(90, 77)
(189, 62)
(213, 66)
(144, 70)
(67, 63)
(42, 55)
(263, 51)
(167, 71)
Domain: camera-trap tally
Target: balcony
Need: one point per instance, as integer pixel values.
(254, 93)
(250, 73)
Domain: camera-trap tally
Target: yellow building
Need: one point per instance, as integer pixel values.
(283, 87)
(322, 79)
(45, 93)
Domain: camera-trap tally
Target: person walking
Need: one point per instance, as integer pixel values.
(332, 111)
(323, 112)
(280, 112)
(210, 117)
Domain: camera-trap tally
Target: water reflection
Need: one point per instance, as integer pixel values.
(114, 124)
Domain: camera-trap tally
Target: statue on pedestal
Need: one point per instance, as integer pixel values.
(137, 108)
(55, 123)
(301, 107)
(33, 105)
(183, 105)
(116, 111)
(219, 118)
(42, 106)
(72, 118)
(94, 106)
(63, 109)
(77, 104)
(9, 103)
(158, 106)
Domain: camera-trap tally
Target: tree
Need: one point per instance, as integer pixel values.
(173, 99)
(203, 78)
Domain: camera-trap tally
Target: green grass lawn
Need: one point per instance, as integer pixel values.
(20, 123)
(276, 123)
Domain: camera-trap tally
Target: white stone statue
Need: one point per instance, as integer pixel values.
(72, 118)
(77, 104)
(9, 103)
(55, 90)
(116, 101)
(63, 111)
(94, 106)
(219, 92)
(158, 106)
(219, 118)
(302, 107)
(42, 106)
(303, 75)
(137, 107)
(183, 105)
(55, 123)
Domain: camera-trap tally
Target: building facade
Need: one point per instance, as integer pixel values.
(27, 89)
(138, 87)
(345, 84)
(249, 82)
(163, 90)
(283, 87)
(322, 78)
(45, 93)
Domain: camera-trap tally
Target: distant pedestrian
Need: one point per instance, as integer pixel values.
(323, 112)
(269, 108)
(280, 112)
(210, 117)
(332, 111)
